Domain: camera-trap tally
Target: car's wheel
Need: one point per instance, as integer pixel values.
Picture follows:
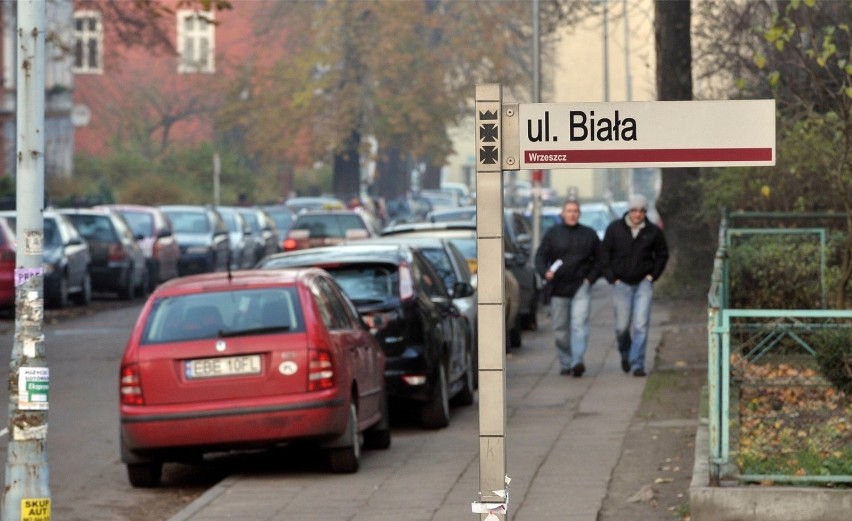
(515, 336)
(467, 395)
(153, 277)
(436, 412)
(128, 292)
(145, 475)
(144, 284)
(346, 460)
(61, 298)
(379, 435)
(84, 296)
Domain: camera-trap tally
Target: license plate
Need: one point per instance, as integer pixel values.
(224, 366)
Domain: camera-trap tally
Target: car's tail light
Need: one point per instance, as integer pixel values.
(117, 253)
(320, 370)
(130, 386)
(7, 256)
(294, 237)
(406, 282)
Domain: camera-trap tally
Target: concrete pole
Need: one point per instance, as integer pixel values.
(27, 494)
(493, 498)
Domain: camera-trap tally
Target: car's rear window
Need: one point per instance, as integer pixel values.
(97, 228)
(366, 283)
(189, 222)
(224, 314)
(142, 223)
(329, 225)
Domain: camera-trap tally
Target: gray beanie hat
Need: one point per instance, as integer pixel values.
(637, 201)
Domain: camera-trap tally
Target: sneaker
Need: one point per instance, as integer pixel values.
(578, 370)
(625, 365)
(638, 372)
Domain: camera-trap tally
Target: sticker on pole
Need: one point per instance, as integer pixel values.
(33, 386)
(35, 509)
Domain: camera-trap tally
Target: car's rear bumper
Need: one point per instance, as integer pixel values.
(231, 424)
(402, 370)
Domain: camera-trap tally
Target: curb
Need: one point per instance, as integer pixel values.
(758, 503)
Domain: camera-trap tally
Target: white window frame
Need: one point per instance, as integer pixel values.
(199, 37)
(86, 37)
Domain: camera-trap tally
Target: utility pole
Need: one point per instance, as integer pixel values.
(537, 176)
(27, 494)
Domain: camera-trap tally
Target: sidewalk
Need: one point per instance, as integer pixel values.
(564, 438)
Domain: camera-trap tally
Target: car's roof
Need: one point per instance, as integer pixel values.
(130, 207)
(85, 211)
(343, 253)
(220, 281)
(427, 226)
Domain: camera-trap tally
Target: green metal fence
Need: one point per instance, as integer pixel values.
(773, 416)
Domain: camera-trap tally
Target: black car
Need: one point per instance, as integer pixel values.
(66, 261)
(267, 240)
(202, 236)
(404, 302)
(516, 248)
(118, 264)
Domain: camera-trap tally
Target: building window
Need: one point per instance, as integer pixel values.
(88, 39)
(196, 37)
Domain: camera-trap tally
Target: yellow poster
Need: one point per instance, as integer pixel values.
(35, 509)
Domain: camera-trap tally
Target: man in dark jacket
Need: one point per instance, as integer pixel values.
(633, 256)
(568, 260)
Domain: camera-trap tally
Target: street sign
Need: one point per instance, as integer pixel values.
(644, 134)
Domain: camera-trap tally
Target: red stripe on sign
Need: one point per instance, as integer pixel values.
(649, 155)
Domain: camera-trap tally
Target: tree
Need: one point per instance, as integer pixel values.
(394, 73)
(690, 246)
(799, 53)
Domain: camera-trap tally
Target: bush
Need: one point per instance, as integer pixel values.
(834, 355)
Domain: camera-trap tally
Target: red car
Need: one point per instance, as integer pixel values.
(7, 265)
(251, 359)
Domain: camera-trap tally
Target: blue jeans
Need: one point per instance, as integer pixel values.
(632, 303)
(570, 322)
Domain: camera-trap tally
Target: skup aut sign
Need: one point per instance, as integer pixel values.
(653, 134)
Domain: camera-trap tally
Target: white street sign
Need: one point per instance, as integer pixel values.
(646, 134)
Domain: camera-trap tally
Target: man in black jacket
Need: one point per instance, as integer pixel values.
(568, 260)
(633, 256)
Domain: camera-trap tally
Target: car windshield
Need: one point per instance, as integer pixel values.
(189, 222)
(365, 284)
(142, 223)
(466, 245)
(598, 220)
(224, 313)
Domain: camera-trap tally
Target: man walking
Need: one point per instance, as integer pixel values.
(633, 256)
(568, 260)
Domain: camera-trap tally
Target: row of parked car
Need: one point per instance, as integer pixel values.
(313, 343)
(309, 345)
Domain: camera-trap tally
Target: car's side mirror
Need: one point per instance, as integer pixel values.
(462, 290)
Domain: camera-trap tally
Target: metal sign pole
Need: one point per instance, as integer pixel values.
(27, 494)
(493, 496)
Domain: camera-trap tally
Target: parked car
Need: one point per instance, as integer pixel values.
(118, 264)
(283, 218)
(463, 235)
(7, 264)
(452, 267)
(404, 302)
(461, 213)
(300, 204)
(202, 237)
(153, 230)
(461, 190)
(263, 230)
(313, 228)
(595, 215)
(243, 251)
(245, 360)
(66, 260)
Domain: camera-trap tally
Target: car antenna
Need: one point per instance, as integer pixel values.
(230, 276)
